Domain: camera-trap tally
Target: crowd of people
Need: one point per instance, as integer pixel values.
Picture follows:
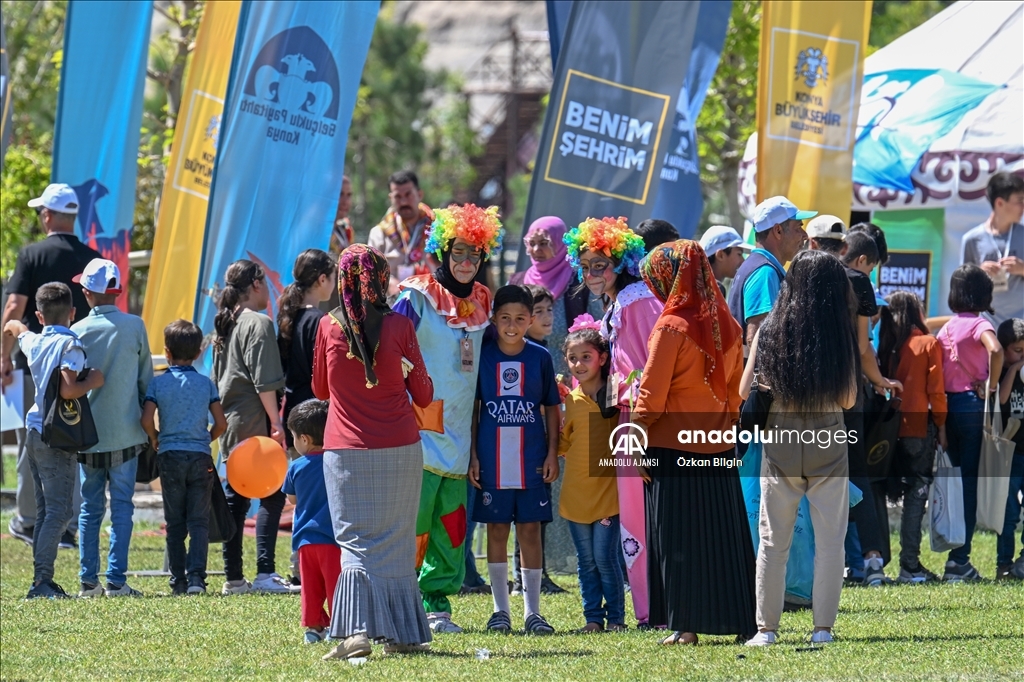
(415, 403)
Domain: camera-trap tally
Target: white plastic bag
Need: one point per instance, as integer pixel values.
(946, 506)
(993, 470)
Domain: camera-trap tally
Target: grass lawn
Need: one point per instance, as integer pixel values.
(899, 632)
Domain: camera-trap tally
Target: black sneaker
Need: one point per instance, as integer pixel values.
(47, 590)
(548, 586)
(536, 625)
(179, 588)
(196, 585)
(19, 531)
(68, 541)
(295, 580)
(914, 576)
(960, 573)
(500, 622)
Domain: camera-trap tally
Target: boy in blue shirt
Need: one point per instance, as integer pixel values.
(184, 398)
(56, 348)
(512, 457)
(312, 527)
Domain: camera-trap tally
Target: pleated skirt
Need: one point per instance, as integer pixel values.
(701, 563)
(374, 496)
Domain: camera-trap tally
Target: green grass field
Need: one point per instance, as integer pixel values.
(894, 633)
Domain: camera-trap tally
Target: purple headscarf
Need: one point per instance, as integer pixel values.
(555, 273)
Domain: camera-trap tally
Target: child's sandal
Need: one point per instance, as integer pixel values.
(590, 627)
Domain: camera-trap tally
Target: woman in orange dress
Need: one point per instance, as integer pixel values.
(701, 564)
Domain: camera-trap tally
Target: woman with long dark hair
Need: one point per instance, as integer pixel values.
(247, 371)
(368, 363)
(806, 354)
(298, 316)
(701, 561)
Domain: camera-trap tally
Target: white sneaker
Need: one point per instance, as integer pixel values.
(442, 623)
(124, 591)
(822, 637)
(271, 583)
(762, 639)
(236, 587)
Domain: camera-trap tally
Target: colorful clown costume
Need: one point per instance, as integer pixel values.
(449, 331)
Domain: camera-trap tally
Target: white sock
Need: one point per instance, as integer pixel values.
(499, 585)
(531, 586)
(875, 562)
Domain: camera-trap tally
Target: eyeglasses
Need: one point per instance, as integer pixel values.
(539, 244)
(461, 253)
(596, 269)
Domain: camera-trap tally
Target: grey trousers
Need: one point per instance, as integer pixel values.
(54, 473)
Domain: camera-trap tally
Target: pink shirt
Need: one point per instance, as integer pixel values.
(964, 358)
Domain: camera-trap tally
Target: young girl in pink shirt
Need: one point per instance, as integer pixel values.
(970, 351)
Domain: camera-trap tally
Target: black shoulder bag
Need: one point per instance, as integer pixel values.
(67, 423)
(754, 411)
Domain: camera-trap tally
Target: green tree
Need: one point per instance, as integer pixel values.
(892, 18)
(406, 116)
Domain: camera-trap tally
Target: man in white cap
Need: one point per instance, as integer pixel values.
(827, 233)
(116, 344)
(779, 228)
(57, 258)
(725, 250)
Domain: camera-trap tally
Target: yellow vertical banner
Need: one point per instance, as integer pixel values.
(812, 59)
(178, 243)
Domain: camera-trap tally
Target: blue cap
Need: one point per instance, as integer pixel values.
(775, 210)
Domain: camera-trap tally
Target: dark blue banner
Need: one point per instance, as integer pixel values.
(678, 197)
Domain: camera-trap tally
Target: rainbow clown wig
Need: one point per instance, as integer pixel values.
(480, 227)
(610, 236)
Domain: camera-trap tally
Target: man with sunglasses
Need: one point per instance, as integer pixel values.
(400, 235)
(60, 257)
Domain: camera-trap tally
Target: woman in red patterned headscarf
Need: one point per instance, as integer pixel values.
(701, 563)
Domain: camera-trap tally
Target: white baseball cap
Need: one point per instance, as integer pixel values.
(57, 197)
(826, 227)
(100, 276)
(719, 237)
(776, 210)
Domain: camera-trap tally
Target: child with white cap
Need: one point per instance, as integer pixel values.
(116, 343)
(725, 250)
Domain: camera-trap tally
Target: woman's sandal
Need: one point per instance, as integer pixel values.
(590, 628)
(617, 627)
(680, 638)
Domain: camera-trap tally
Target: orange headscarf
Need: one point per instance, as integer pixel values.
(680, 276)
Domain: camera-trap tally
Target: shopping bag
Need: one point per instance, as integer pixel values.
(993, 469)
(149, 467)
(222, 524)
(946, 506)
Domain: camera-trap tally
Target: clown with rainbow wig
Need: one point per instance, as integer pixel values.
(450, 311)
(606, 254)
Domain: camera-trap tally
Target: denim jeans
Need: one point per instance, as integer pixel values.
(186, 480)
(914, 458)
(268, 518)
(599, 570)
(963, 433)
(94, 508)
(53, 473)
(1004, 543)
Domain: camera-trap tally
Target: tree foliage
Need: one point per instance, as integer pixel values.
(406, 117)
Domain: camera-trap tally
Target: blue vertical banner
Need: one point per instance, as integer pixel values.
(612, 105)
(280, 158)
(680, 200)
(99, 114)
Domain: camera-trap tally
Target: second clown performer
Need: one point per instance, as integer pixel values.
(450, 311)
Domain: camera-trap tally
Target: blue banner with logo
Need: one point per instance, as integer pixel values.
(99, 114)
(678, 198)
(294, 78)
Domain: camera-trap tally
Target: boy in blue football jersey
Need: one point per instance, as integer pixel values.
(513, 457)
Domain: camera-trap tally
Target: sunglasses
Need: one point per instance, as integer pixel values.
(460, 253)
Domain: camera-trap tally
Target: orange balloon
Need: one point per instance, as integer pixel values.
(257, 467)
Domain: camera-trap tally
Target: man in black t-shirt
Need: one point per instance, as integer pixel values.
(57, 258)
